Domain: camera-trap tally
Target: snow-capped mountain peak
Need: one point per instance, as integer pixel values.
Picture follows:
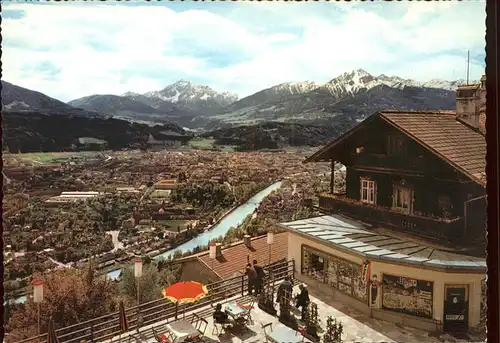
(181, 83)
(296, 87)
(131, 94)
(196, 97)
(275, 93)
(358, 73)
(230, 94)
(443, 84)
(351, 83)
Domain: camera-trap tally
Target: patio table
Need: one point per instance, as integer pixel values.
(282, 334)
(182, 330)
(234, 310)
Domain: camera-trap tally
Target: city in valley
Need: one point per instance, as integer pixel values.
(62, 209)
(168, 177)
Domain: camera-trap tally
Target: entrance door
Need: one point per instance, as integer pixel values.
(456, 309)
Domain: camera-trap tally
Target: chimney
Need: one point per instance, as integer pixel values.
(247, 240)
(471, 103)
(218, 250)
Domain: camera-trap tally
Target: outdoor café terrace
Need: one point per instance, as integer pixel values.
(150, 321)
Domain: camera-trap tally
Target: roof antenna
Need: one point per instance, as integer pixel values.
(468, 62)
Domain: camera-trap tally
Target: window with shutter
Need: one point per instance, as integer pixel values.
(368, 192)
(402, 198)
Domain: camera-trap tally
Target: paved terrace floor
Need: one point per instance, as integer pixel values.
(357, 327)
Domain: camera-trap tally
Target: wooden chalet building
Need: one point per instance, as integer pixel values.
(418, 172)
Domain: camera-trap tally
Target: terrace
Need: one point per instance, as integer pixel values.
(153, 317)
(357, 328)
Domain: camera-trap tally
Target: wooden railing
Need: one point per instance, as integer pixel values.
(106, 327)
(423, 226)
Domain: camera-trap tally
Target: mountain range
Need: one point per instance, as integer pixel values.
(353, 94)
(180, 102)
(33, 121)
(15, 98)
(340, 102)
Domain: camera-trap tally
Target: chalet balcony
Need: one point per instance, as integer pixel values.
(415, 164)
(421, 225)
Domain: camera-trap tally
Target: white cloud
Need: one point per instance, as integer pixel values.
(240, 47)
(417, 11)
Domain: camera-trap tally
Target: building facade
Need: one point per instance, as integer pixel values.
(386, 277)
(420, 172)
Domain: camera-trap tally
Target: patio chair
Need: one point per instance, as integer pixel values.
(200, 324)
(248, 317)
(220, 328)
(166, 337)
(265, 327)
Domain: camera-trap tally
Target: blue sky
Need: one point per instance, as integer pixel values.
(70, 50)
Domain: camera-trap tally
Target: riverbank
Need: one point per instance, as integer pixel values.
(228, 212)
(231, 219)
(232, 209)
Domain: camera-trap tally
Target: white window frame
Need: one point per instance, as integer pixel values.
(404, 191)
(368, 191)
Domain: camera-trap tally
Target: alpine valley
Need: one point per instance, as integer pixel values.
(302, 108)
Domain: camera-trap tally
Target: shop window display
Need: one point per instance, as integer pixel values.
(338, 273)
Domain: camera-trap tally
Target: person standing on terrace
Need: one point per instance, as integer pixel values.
(302, 299)
(261, 274)
(252, 279)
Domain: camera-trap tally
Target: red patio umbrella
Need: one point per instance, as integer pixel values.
(51, 332)
(185, 292)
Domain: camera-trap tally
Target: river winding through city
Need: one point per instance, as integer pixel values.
(232, 219)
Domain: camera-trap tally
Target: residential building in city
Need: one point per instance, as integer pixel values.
(165, 184)
(231, 261)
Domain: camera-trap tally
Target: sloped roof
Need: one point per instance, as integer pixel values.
(346, 234)
(448, 138)
(440, 132)
(234, 258)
